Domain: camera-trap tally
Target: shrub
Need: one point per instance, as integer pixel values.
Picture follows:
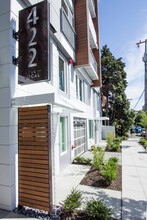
(82, 160)
(117, 140)
(109, 170)
(109, 139)
(113, 161)
(95, 147)
(72, 201)
(143, 142)
(96, 209)
(98, 157)
(115, 146)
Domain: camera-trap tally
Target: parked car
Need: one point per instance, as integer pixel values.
(138, 129)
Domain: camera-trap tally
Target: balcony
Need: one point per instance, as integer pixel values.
(67, 29)
(92, 33)
(92, 8)
(87, 49)
(92, 68)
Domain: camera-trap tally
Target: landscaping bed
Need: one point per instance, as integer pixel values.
(94, 178)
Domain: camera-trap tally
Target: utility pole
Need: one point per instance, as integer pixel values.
(144, 59)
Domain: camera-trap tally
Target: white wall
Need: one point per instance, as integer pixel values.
(8, 116)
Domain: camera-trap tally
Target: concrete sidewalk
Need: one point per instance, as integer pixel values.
(134, 180)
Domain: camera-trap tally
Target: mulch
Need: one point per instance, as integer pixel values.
(94, 178)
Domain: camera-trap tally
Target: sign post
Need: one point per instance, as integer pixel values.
(33, 43)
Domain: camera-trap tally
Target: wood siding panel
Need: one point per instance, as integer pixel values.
(34, 156)
(96, 52)
(82, 31)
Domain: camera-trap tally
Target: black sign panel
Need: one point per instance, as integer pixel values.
(33, 43)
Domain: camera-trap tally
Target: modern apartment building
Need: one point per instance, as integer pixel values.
(45, 123)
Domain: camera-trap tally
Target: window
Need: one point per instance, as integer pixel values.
(67, 22)
(79, 135)
(87, 90)
(79, 88)
(63, 136)
(68, 11)
(62, 74)
(91, 133)
(77, 93)
(65, 8)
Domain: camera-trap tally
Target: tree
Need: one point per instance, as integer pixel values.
(139, 116)
(141, 119)
(113, 87)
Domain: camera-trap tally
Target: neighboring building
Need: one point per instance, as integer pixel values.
(72, 121)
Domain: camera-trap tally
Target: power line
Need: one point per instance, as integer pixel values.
(139, 99)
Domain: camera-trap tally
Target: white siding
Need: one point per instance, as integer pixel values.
(9, 89)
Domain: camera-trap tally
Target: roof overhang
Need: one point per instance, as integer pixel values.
(59, 103)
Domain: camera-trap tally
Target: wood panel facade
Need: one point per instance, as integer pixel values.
(97, 52)
(34, 157)
(83, 38)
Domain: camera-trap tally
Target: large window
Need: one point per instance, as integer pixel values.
(68, 11)
(63, 134)
(62, 74)
(67, 22)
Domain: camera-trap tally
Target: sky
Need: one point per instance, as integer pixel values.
(122, 24)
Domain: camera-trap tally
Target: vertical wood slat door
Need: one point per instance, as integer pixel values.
(34, 158)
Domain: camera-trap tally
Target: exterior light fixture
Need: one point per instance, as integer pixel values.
(70, 61)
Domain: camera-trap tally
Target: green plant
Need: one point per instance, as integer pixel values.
(115, 146)
(96, 209)
(98, 157)
(109, 170)
(113, 161)
(117, 140)
(109, 139)
(82, 160)
(143, 142)
(72, 201)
